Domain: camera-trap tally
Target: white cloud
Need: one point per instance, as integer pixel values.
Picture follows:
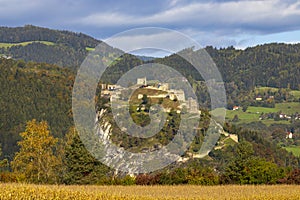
(107, 19)
(173, 2)
(237, 16)
(211, 22)
(151, 38)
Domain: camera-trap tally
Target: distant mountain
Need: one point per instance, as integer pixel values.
(32, 43)
(146, 58)
(274, 65)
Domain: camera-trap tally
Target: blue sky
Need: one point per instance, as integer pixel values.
(219, 23)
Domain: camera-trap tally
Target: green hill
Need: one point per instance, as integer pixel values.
(31, 43)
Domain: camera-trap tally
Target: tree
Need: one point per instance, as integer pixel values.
(293, 177)
(4, 162)
(80, 166)
(36, 161)
(260, 171)
(245, 107)
(235, 118)
(235, 169)
(246, 168)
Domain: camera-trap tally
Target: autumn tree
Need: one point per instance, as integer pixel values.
(36, 161)
(4, 162)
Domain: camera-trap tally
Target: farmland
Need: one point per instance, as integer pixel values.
(294, 149)
(252, 114)
(22, 191)
(295, 93)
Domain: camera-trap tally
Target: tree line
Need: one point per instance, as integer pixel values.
(45, 159)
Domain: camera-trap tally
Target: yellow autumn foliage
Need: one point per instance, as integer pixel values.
(36, 162)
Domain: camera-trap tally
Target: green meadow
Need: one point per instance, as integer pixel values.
(295, 93)
(295, 150)
(8, 45)
(253, 113)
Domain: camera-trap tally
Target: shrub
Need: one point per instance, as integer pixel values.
(292, 178)
(146, 179)
(8, 177)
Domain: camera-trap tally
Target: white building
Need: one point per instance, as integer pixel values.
(289, 135)
(141, 81)
(192, 105)
(179, 94)
(163, 86)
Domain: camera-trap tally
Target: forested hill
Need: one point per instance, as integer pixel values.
(33, 91)
(270, 65)
(274, 65)
(31, 43)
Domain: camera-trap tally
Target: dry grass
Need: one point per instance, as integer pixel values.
(166, 103)
(23, 191)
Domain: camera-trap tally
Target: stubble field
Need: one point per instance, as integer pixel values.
(24, 191)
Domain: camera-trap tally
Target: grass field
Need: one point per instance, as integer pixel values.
(294, 150)
(295, 93)
(7, 45)
(265, 89)
(89, 49)
(252, 114)
(276, 192)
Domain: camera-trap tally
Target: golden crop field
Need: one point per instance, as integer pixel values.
(47, 192)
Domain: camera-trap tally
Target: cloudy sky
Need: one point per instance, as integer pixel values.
(219, 23)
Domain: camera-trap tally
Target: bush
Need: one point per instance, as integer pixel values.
(292, 178)
(146, 179)
(126, 180)
(208, 178)
(8, 177)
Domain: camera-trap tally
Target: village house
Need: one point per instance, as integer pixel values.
(289, 135)
(235, 107)
(5, 57)
(284, 116)
(258, 98)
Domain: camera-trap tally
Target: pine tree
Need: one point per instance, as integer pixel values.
(80, 166)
